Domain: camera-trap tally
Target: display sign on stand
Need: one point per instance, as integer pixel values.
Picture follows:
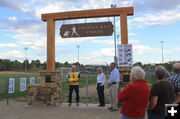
(11, 85)
(125, 55)
(32, 80)
(22, 84)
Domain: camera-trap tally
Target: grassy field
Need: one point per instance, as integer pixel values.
(150, 80)
(65, 85)
(4, 84)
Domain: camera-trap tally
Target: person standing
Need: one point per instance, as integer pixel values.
(135, 95)
(113, 82)
(74, 78)
(175, 80)
(101, 80)
(162, 92)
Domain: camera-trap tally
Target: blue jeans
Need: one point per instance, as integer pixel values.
(71, 88)
(125, 117)
(155, 116)
(100, 90)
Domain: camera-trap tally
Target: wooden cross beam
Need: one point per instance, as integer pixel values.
(50, 18)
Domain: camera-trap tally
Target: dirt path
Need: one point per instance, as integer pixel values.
(20, 110)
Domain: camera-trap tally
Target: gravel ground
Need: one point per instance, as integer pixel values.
(20, 110)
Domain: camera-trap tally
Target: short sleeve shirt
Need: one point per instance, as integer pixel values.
(165, 92)
(175, 79)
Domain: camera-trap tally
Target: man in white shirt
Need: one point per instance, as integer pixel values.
(113, 82)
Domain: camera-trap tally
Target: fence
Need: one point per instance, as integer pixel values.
(87, 87)
(87, 90)
(13, 86)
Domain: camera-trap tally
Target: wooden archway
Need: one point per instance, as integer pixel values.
(52, 17)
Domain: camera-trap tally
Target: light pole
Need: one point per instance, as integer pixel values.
(25, 62)
(115, 59)
(162, 50)
(78, 46)
(106, 64)
(118, 37)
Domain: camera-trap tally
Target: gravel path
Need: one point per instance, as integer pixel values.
(20, 110)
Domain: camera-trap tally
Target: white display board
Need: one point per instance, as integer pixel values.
(23, 84)
(32, 80)
(11, 85)
(125, 55)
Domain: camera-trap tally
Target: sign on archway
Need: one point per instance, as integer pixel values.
(86, 30)
(52, 17)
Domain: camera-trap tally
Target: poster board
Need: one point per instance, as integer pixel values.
(32, 80)
(125, 55)
(22, 84)
(11, 85)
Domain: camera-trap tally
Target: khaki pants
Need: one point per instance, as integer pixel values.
(113, 92)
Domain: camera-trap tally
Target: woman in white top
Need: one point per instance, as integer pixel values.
(101, 80)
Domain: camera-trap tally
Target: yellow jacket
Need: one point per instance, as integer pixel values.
(74, 76)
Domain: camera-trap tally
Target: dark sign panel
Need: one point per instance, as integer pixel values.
(86, 30)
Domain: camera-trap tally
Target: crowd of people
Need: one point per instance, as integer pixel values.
(137, 97)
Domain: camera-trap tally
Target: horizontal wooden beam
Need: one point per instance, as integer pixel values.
(89, 13)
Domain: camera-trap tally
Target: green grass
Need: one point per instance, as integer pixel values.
(150, 80)
(17, 93)
(65, 85)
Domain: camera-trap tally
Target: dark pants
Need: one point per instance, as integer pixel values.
(100, 91)
(155, 116)
(71, 88)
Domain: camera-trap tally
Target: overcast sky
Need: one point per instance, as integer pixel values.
(153, 21)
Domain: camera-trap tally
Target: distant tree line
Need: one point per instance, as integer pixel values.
(35, 65)
(8, 65)
(151, 67)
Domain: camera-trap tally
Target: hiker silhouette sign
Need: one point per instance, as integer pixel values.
(86, 29)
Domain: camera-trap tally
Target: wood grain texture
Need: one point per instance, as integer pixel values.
(50, 44)
(88, 13)
(52, 17)
(124, 29)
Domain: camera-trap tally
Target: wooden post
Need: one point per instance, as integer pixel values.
(124, 29)
(50, 44)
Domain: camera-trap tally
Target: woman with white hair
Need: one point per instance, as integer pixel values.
(101, 80)
(135, 95)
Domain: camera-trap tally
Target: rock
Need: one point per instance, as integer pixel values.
(46, 93)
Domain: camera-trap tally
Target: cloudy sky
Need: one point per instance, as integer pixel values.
(153, 21)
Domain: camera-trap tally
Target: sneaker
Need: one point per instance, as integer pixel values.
(77, 104)
(102, 105)
(113, 110)
(99, 105)
(69, 104)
